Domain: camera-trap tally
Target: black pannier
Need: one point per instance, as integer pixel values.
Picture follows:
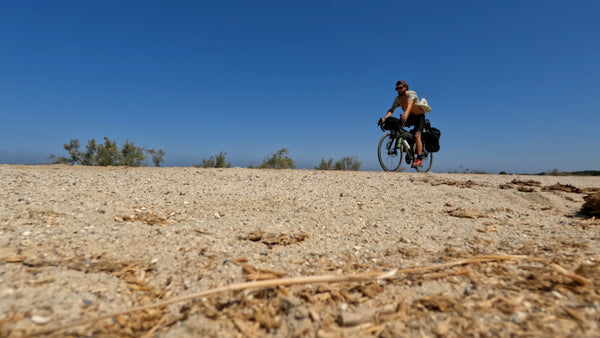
(431, 138)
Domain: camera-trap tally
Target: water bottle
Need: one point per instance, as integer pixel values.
(406, 146)
(399, 143)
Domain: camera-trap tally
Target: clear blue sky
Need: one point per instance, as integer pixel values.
(514, 85)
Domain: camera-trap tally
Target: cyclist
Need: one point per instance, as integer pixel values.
(414, 114)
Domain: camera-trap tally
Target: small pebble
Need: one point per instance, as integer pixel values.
(519, 317)
(40, 320)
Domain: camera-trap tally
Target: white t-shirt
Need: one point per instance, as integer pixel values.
(410, 95)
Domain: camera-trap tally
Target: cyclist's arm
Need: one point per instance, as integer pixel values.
(395, 105)
(407, 112)
(388, 114)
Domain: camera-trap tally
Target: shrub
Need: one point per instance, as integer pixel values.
(325, 165)
(217, 161)
(346, 163)
(157, 156)
(278, 160)
(108, 154)
(130, 155)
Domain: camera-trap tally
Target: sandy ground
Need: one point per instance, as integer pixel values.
(475, 255)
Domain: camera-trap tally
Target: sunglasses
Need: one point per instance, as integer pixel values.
(398, 88)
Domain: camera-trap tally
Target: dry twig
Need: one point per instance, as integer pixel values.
(306, 280)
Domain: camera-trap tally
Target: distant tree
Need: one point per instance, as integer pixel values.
(131, 155)
(346, 163)
(108, 154)
(467, 171)
(585, 173)
(74, 154)
(89, 157)
(556, 172)
(325, 165)
(157, 156)
(553, 172)
(278, 160)
(217, 161)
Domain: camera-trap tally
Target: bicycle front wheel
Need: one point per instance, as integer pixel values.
(390, 158)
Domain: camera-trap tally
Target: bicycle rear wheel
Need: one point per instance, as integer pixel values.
(390, 158)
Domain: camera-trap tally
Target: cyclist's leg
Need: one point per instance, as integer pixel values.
(419, 122)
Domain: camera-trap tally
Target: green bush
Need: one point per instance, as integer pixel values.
(346, 163)
(278, 160)
(108, 154)
(217, 161)
(157, 156)
(325, 165)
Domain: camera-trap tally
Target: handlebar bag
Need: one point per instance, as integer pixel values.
(391, 123)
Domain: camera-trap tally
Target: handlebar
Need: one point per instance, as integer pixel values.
(380, 124)
(401, 131)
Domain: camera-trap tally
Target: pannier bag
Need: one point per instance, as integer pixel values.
(432, 139)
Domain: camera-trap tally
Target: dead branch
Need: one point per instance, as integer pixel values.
(301, 280)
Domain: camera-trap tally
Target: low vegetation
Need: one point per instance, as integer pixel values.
(277, 160)
(556, 172)
(346, 163)
(216, 161)
(108, 154)
(462, 170)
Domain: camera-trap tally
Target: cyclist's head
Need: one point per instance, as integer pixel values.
(401, 84)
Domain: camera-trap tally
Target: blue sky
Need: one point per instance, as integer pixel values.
(514, 85)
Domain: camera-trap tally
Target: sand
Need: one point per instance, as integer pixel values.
(500, 255)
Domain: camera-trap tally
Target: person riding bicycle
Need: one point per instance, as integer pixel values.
(414, 114)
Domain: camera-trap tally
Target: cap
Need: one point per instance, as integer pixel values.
(402, 82)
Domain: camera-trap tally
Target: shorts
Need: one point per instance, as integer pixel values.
(416, 120)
